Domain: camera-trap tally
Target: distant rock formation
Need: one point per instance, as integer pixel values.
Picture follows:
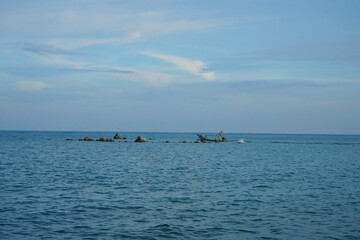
(117, 136)
(140, 139)
(86, 139)
(103, 139)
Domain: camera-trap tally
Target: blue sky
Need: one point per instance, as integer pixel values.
(278, 66)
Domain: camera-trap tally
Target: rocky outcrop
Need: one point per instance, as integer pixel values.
(140, 139)
(103, 139)
(117, 136)
(87, 139)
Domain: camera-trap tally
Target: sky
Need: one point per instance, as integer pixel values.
(279, 66)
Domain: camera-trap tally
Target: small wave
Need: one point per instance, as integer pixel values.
(247, 231)
(180, 199)
(248, 200)
(262, 186)
(314, 143)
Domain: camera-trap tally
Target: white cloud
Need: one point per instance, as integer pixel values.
(128, 74)
(31, 85)
(72, 43)
(195, 67)
(83, 66)
(106, 23)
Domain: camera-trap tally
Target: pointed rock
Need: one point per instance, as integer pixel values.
(117, 136)
(140, 139)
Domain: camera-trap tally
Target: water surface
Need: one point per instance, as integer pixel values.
(271, 187)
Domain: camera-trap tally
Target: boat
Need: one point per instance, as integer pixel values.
(220, 138)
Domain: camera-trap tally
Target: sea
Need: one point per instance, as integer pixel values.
(271, 186)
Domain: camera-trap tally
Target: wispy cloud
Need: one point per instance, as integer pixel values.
(106, 23)
(31, 85)
(41, 49)
(195, 67)
(84, 66)
(74, 43)
(318, 51)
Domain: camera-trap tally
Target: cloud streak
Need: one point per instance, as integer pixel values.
(31, 85)
(41, 49)
(108, 23)
(84, 66)
(195, 67)
(318, 51)
(74, 43)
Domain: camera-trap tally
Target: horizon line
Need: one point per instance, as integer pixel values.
(247, 133)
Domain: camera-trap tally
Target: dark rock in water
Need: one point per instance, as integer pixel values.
(167, 141)
(86, 139)
(184, 141)
(117, 136)
(140, 139)
(124, 138)
(69, 139)
(197, 141)
(103, 139)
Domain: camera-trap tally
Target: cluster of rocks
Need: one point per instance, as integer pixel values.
(87, 139)
(118, 136)
(103, 139)
(138, 139)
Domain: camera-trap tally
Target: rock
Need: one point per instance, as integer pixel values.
(103, 139)
(184, 141)
(117, 136)
(140, 139)
(86, 139)
(197, 141)
(167, 141)
(69, 139)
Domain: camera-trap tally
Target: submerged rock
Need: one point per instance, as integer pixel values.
(140, 139)
(117, 136)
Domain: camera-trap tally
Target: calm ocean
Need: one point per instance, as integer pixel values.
(270, 187)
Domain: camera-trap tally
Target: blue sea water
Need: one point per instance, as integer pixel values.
(270, 187)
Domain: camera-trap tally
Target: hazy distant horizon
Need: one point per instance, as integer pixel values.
(174, 132)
